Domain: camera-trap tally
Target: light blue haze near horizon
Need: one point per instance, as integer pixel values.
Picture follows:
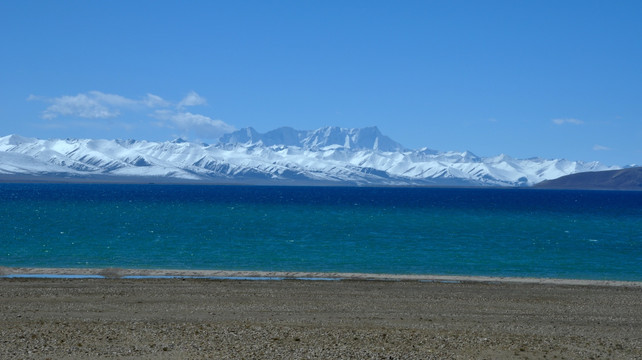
(553, 79)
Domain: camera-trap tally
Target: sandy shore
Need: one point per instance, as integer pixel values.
(351, 319)
(280, 275)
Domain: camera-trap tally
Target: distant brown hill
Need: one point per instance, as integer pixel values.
(625, 179)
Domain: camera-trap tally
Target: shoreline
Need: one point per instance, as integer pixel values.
(119, 273)
(142, 180)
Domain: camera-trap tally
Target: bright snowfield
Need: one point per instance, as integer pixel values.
(282, 156)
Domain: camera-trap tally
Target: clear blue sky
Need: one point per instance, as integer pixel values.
(555, 79)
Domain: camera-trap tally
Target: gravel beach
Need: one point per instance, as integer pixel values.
(293, 319)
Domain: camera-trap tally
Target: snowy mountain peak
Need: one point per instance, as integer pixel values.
(470, 157)
(15, 140)
(364, 138)
(243, 136)
(330, 155)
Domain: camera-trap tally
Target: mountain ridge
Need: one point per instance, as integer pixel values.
(360, 138)
(622, 179)
(329, 155)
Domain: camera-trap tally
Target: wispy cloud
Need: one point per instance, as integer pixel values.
(597, 147)
(567, 121)
(81, 105)
(192, 99)
(93, 105)
(96, 105)
(152, 101)
(187, 122)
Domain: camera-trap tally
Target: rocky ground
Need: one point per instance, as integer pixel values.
(292, 319)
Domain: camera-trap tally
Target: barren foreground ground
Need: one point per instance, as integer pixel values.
(293, 319)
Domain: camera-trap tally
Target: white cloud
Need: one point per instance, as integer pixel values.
(152, 101)
(597, 147)
(200, 125)
(98, 105)
(81, 105)
(192, 99)
(567, 121)
(94, 105)
(112, 99)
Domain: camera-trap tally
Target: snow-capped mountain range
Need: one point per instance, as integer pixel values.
(330, 155)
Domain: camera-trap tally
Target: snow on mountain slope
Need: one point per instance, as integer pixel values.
(332, 154)
(364, 138)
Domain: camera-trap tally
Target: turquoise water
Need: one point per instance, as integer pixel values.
(494, 232)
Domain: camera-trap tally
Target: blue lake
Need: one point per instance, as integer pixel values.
(448, 231)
